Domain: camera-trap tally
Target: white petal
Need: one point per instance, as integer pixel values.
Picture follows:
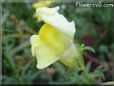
(58, 21)
(72, 57)
(68, 56)
(45, 56)
(47, 10)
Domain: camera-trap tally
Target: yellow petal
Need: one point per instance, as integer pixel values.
(45, 56)
(35, 41)
(42, 3)
(53, 38)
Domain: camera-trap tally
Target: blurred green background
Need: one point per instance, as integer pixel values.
(94, 27)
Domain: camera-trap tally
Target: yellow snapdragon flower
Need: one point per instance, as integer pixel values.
(55, 40)
(41, 3)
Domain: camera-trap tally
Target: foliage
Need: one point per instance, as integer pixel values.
(94, 28)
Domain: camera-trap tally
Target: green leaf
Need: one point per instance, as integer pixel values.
(87, 69)
(103, 48)
(89, 48)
